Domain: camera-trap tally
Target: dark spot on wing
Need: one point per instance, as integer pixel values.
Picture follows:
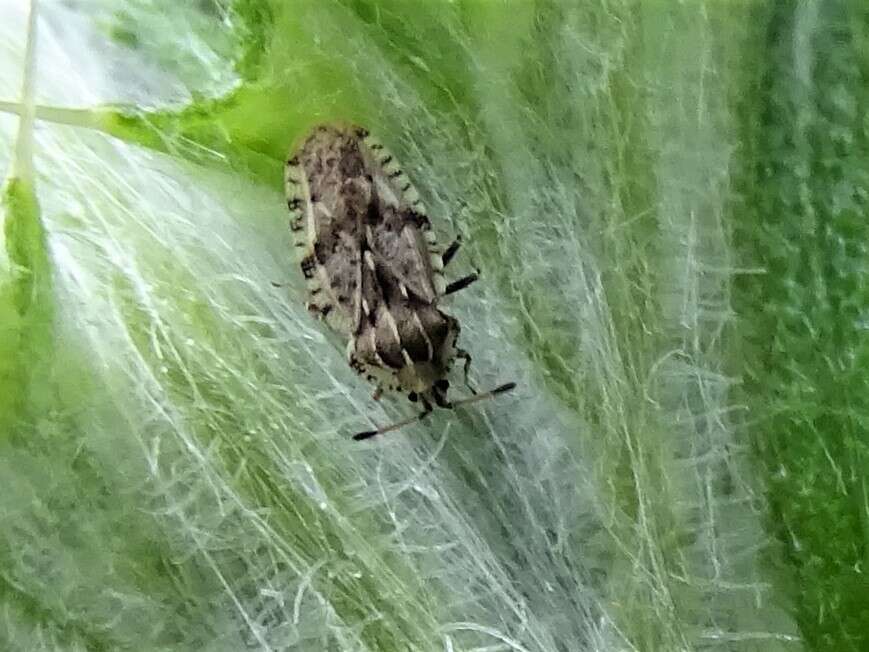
(322, 310)
(351, 161)
(322, 249)
(308, 264)
(417, 219)
(372, 215)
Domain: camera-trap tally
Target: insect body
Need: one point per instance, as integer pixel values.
(372, 265)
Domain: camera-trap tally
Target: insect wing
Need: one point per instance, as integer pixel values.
(400, 248)
(399, 232)
(327, 194)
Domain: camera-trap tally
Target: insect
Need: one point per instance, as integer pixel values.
(373, 268)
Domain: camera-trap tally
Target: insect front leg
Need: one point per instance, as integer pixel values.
(464, 355)
(426, 408)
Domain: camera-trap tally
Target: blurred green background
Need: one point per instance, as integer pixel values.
(667, 203)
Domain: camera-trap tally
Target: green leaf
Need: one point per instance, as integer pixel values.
(805, 184)
(664, 200)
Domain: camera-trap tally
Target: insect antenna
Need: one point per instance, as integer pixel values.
(500, 389)
(395, 426)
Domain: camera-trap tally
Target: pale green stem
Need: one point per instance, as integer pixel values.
(22, 163)
(58, 115)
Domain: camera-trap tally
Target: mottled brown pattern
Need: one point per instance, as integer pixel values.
(400, 246)
(372, 266)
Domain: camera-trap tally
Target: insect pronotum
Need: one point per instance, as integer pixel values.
(373, 267)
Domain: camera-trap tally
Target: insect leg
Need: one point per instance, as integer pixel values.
(464, 355)
(441, 400)
(427, 408)
(461, 284)
(447, 256)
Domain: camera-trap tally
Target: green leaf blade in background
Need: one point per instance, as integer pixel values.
(805, 224)
(665, 203)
